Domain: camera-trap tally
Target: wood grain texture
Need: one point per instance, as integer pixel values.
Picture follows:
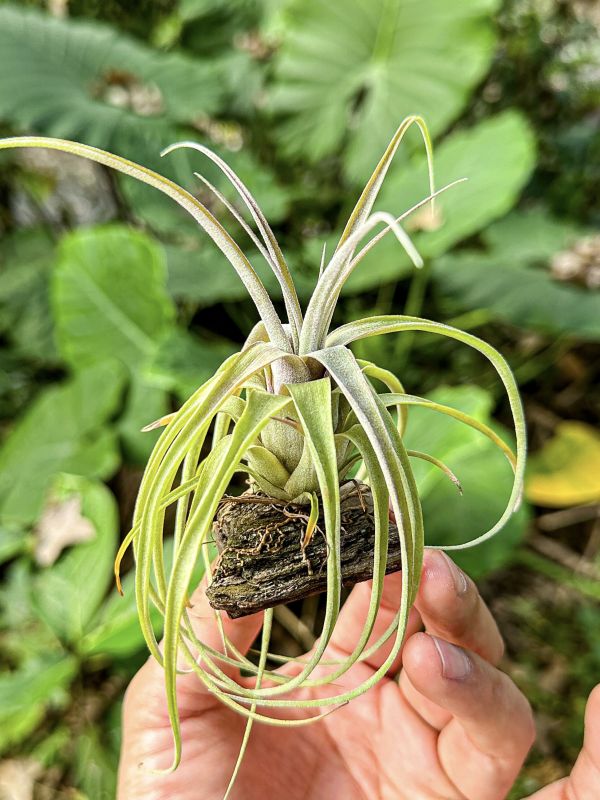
(261, 563)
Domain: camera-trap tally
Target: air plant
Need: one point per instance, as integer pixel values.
(294, 411)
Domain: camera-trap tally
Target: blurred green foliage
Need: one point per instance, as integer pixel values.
(113, 307)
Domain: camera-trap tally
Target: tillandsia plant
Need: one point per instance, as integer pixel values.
(295, 411)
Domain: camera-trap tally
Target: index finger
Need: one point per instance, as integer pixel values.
(452, 608)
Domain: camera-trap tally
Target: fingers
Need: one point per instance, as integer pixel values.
(451, 608)
(448, 604)
(490, 728)
(354, 612)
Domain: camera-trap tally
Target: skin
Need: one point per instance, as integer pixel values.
(446, 724)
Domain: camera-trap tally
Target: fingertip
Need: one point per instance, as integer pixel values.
(420, 659)
(442, 580)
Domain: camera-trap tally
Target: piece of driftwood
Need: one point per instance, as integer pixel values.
(262, 564)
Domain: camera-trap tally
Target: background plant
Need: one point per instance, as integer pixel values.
(519, 122)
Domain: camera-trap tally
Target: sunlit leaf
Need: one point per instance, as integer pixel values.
(566, 471)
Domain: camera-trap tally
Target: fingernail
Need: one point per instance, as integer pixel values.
(441, 568)
(458, 576)
(456, 664)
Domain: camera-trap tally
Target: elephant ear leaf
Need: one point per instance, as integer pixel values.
(377, 61)
(110, 297)
(73, 78)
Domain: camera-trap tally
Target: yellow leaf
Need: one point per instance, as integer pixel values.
(566, 471)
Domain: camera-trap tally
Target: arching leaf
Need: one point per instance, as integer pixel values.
(496, 157)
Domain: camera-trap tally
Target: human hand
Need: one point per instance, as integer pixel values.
(448, 726)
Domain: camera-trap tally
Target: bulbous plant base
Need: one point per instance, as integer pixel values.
(262, 563)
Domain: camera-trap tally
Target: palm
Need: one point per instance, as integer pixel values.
(417, 738)
(353, 753)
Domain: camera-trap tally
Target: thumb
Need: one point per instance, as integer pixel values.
(584, 781)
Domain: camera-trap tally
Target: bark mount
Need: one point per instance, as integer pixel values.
(261, 562)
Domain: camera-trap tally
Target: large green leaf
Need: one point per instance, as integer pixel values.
(362, 65)
(86, 81)
(530, 235)
(26, 694)
(109, 296)
(116, 630)
(483, 471)
(512, 279)
(12, 542)
(496, 156)
(26, 259)
(68, 593)
(199, 274)
(64, 430)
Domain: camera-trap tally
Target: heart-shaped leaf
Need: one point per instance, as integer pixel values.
(81, 80)
(109, 296)
(360, 66)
